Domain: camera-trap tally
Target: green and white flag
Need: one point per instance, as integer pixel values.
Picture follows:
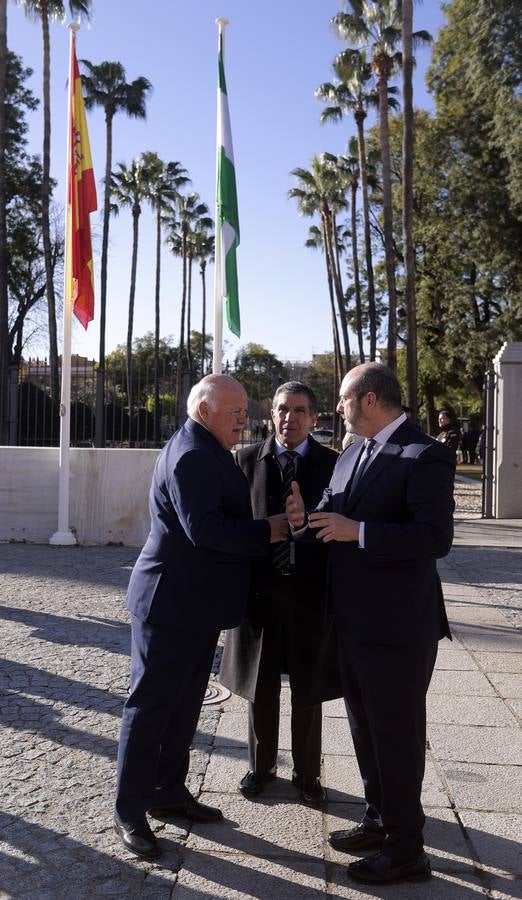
(226, 202)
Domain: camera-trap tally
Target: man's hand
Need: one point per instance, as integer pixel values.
(295, 507)
(278, 528)
(333, 527)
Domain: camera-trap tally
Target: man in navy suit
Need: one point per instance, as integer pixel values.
(190, 581)
(386, 517)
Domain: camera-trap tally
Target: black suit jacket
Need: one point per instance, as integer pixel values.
(390, 592)
(195, 565)
(314, 661)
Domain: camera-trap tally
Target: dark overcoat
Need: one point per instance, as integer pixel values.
(308, 622)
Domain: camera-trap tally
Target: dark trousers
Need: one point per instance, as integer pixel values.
(169, 674)
(385, 689)
(279, 654)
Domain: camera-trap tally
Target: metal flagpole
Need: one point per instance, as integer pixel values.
(64, 536)
(217, 365)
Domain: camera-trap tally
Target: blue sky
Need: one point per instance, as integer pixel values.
(275, 55)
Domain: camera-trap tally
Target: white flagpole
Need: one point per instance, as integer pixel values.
(64, 536)
(217, 365)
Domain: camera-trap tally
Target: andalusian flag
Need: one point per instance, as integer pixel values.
(81, 200)
(226, 201)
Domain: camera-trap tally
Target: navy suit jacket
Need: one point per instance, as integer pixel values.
(390, 591)
(195, 565)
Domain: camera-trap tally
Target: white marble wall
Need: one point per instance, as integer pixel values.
(108, 494)
(507, 488)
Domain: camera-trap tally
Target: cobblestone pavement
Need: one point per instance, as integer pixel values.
(64, 644)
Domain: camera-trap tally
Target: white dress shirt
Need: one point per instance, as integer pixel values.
(380, 438)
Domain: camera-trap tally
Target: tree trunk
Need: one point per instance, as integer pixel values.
(100, 379)
(340, 295)
(372, 318)
(407, 206)
(4, 317)
(157, 326)
(181, 349)
(384, 69)
(356, 279)
(327, 239)
(189, 310)
(202, 269)
(46, 191)
(135, 227)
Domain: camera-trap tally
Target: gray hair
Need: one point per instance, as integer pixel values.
(207, 390)
(297, 387)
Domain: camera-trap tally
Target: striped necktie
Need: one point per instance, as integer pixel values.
(281, 551)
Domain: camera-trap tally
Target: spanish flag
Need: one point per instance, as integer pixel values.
(81, 200)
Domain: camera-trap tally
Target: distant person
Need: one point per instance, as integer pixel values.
(288, 628)
(449, 434)
(190, 580)
(264, 431)
(469, 446)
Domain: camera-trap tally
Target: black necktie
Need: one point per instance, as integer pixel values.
(281, 551)
(364, 458)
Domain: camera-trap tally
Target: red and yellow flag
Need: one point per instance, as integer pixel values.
(81, 200)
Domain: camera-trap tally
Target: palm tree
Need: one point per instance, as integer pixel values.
(163, 183)
(315, 242)
(128, 189)
(407, 204)
(189, 212)
(4, 319)
(377, 24)
(204, 241)
(45, 10)
(352, 93)
(105, 85)
(318, 192)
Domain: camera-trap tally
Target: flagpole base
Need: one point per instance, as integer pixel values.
(63, 539)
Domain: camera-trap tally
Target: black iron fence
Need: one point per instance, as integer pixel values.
(34, 414)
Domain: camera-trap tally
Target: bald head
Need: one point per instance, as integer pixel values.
(219, 403)
(370, 399)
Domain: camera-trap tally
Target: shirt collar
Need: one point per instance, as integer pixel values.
(301, 449)
(385, 433)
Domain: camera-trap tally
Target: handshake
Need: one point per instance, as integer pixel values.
(330, 526)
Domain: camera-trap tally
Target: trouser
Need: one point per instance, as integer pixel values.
(385, 688)
(169, 674)
(278, 655)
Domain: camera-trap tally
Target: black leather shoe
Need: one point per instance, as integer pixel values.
(138, 838)
(188, 809)
(311, 791)
(359, 838)
(380, 869)
(253, 784)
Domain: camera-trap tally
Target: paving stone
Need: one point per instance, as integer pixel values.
(460, 684)
(455, 660)
(516, 706)
(488, 711)
(266, 828)
(337, 737)
(240, 877)
(496, 839)
(499, 662)
(443, 886)
(507, 684)
(484, 787)
(228, 765)
(468, 743)
(506, 887)
(343, 780)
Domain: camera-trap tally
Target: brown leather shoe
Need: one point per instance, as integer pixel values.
(380, 869)
(359, 838)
